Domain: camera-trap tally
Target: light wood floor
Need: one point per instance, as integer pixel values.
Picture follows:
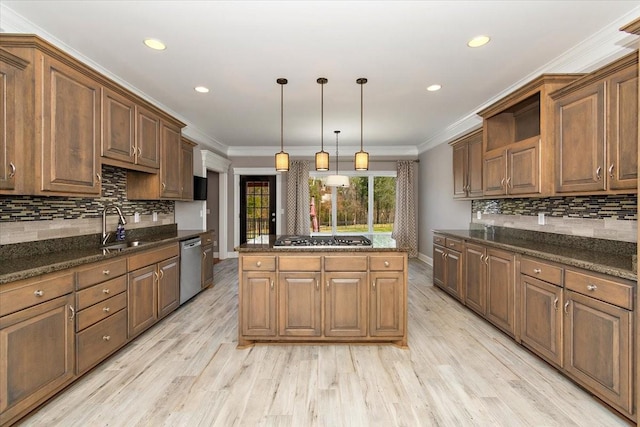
(458, 371)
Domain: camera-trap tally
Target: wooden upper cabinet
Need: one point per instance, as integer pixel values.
(70, 112)
(12, 164)
(467, 166)
(170, 165)
(186, 164)
(597, 131)
(518, 139)
(147, 138)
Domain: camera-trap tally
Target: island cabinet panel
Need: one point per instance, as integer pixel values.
(346, 306)
(315, 296)
(301, 304)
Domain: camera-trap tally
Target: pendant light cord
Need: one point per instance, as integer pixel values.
(337, 170)
(281, 118)
(321, 116)
(361, 116)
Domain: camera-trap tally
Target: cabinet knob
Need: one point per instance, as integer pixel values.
(106, 272)
(38, 293)
(106, 309)
(386, 263)
(537, 270)
(258, 264)
(591, 287)
(106, 291)
(106, 337)
(13, 170)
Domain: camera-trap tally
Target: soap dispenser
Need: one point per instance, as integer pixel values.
(120, 232)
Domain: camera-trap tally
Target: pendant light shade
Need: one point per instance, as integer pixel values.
(362, 157)
(322, 157)
(282, 158)
(337, 180)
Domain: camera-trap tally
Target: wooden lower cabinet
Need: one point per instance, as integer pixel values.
(387, 304)
(98, 341)
(168, 286)
(598, 351)
(207, 265)
(475, 278)
(258, 304)
(37, 355)
(143, 310)
(301, 302)
(345, 304)
(501, 287)
(447, 268)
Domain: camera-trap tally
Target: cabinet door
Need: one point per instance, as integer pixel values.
(460, 153)
(168, 286)
(300, 304)
(494, 173)
(453, 274)
(170, 167)
(474, 167)
(207, 266)
(622, 134)
(70, 131)
(142, 306)
(186, 186)
(258, 303)
(438, 266)
(541, 318)
(118, 127)
(598, 350)
(387, 304)
(147, 138)
(345, 304)
(523, 174)
(501, 290)
(37, 355)
(580, 142)
(474, 278)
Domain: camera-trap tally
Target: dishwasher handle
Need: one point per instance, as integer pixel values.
(191, 244)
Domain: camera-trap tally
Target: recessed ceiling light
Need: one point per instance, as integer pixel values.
(478, 41)
(201, 89)
(434, 88)
(155, 44)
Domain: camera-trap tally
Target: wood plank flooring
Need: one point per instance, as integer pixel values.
(458, 371)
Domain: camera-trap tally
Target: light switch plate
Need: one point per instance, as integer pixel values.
(136, 217)
(540, 219)
(154, 216)
(479, 215)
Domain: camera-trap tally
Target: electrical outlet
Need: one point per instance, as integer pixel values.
(479, 215)
(540, 219)
(154, 216)
(136, 217)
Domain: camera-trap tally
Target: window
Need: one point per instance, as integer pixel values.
(367, 206)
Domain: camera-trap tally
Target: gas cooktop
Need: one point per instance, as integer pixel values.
(322, 241)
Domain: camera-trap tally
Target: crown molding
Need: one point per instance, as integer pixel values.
(344, 152)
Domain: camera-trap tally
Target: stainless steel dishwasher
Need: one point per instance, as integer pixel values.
(190, 269)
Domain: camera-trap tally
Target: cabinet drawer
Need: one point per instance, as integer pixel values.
(100, 292)
(299, 263)
(439, 240)
(345, 263)
(613, 292)
(151, 257)
(101, 272)
(102, 310)
(259, 263)
(386, 263)
(100, 340)
(541, 270)
(28, 292)
(454, 244)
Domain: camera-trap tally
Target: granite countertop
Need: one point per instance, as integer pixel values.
(602, 256)
(380, 243)
(61, 256)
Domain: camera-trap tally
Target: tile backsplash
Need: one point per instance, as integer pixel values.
(30, 218)
(605, 217)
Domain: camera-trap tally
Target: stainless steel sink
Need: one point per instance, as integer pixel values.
(119, 246)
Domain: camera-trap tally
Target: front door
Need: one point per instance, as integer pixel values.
(257, 208)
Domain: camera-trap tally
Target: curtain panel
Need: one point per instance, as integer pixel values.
(298, 218)
(405, 225)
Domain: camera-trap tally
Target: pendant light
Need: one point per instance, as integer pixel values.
(322, 157)
(282, 158)
(362, 157)
(337, 180)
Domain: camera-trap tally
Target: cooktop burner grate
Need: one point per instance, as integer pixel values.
(322, 241)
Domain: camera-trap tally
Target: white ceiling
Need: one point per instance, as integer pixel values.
(239, 48)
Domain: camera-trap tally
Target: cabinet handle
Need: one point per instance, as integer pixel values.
(591, 287)
(272, 285)
(555, 304)
(509, 183)
(446, 256)
(38, 293)
(156, 276)
(13, 170)
(106, 272)
(106, 309)
(502, 182)
(599, 173)
(327, 284)
(73, 313)
(164, 186)
(611, 170)
(258, 264)
(373, 283)
(204, 255)
(139, 151)
(317, 285)
(133, 151)
(106, 291)
(566, 306)
(161, 274)
(537, 270)
(442, 254)
(386, 263)
(99, 177)
(486, 259)
(106, 337)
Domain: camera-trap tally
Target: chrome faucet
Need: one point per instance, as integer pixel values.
(105, 235)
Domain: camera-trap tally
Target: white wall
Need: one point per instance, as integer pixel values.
(436, 207)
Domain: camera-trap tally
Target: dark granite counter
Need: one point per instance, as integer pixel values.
(380, 243)
(31, 259)
(599, 255)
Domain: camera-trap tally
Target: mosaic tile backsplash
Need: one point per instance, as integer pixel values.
(31, 218)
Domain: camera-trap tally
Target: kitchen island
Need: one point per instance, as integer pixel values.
(339, 294)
